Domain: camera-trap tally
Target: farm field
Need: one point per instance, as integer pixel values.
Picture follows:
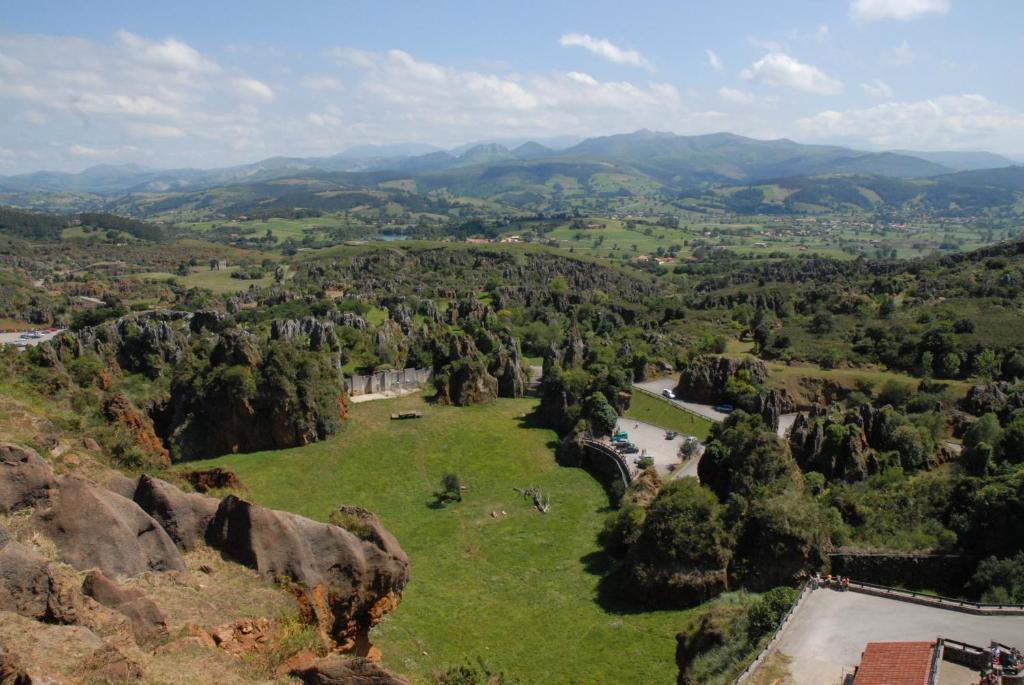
(517, 591)
(220, 282)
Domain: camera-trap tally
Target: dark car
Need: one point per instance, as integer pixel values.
(671, 435)
(725, 408)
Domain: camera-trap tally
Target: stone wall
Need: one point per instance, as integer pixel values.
(387, 381)
(946, 574)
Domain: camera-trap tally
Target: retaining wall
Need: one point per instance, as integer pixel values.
(387, 381)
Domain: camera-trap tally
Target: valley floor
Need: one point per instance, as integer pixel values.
(517, 590)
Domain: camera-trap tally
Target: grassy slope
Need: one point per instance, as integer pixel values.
(512, 590)
(662, 413)
(220, 282)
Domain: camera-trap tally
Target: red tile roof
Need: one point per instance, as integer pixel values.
(895, 663)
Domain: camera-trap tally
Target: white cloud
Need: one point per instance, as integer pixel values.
(736, 96)
(899, 56)
(168, 53)
(779, 69)
(606, 49)
(954, 122)
(902, 10)
(320, 83)
(147, 130)
(714, 61)
(251, 88)
(393, 91)
(877, 89)
(101, 152)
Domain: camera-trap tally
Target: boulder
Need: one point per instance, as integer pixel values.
(96, 528)
(148, 623)
(24, 478)
(183, 516)
(121, 485)
(33, 587)
(343, 582)
(340, 670)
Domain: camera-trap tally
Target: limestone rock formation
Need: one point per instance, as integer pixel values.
(345, 583)
(24, 478)
(148, 623)
(96, 528)
(704, 378)
(507, 369)
(184, 516)
(216, 478)
(319, 333)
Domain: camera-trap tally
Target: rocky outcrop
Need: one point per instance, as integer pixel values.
(507, 369)
(25, 478)
(184, 516)
(770, 405)
(217, 478)
(31, 586)
(343, 582)
(319, 333)
(466, 383)
(93, 527)
(1001, 398)
(835, 446)
(148, 623)
(704, 379)
(339, 670)
(119, 411)
(249, 396)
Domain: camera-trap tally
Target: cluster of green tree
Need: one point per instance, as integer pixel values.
(143, 230)
(31, 225)
(750, 522)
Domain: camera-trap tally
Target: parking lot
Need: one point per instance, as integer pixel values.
(19, 341)
(652, 443)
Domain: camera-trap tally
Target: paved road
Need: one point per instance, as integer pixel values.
(16, 339)
(829, 631)
(705, 410)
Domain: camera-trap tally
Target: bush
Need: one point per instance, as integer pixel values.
(768, 611)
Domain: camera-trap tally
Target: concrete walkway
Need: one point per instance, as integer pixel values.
(827, 634)
(371, 396)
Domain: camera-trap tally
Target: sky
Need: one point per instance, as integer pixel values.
(206, 84)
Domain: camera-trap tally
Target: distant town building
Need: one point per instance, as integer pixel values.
(218, 264)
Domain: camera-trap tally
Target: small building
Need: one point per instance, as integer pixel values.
(896, 663)
(218, 264)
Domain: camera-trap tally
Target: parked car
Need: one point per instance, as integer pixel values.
(668, 393)
(629, 449)
(725, 408)
(671, 435)
(620, 437)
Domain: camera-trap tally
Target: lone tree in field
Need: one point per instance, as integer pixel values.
(451, 489)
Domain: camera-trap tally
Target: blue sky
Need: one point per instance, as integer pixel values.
(215, 83)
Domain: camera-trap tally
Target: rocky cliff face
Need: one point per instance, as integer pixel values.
(704, 379)
(344, 580)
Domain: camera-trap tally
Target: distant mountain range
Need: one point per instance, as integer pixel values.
(674, 161)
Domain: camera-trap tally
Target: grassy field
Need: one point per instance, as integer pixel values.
(518, 591)
(220, 282)
(664, 414)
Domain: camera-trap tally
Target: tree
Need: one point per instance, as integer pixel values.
(986, 364)
(451, 489)
(1011, 448)
(949, 366)
(601, 414)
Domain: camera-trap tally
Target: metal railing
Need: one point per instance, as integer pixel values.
(952, 603)
(620, 462)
